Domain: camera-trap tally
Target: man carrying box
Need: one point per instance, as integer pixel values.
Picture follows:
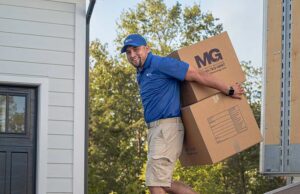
(159, 82)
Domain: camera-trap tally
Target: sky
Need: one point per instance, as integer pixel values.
(242, 19)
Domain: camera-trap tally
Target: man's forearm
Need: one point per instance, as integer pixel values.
(209, 80)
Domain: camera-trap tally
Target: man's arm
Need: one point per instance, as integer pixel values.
(209, 80)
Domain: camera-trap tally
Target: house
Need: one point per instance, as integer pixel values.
(42, 96)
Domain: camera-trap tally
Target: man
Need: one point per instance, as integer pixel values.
(159, 82)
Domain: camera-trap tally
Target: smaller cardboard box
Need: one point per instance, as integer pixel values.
(217, 128)
(214, 55)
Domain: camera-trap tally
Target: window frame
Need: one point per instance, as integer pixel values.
(16, 91)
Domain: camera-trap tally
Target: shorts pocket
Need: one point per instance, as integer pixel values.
(171, 131)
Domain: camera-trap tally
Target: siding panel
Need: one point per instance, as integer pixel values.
(36, 69)
(36, 56)
(60, 156)
(36, 28)
(61, 85)
(57, 71)
(59, 6)
(61, 99)
(59, 185)
(60, 170)
(60, 141)
(60, 127)
(37, 15)
(36, 42)
(61, 113)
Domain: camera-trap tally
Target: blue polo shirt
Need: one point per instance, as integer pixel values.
(159, 83)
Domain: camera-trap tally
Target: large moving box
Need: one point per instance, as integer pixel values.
(216, 126)
(214, 55)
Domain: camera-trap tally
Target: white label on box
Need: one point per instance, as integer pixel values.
(227, 124)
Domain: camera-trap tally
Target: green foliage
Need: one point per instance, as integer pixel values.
(117, 150)
(117, 129)
(167, 29)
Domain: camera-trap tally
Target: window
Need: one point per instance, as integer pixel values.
(12, 113)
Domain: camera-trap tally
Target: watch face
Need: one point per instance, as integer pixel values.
(231, 92)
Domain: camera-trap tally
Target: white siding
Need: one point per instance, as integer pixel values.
(61, 85)
(60, 141)
(65, 7)
(61, 99)
(60, 170)
(36, 28)
(60, 127)
(32, 14)
(37, 40)
(60, 185)
(8, 53)
(60, 156)
(37, 69)
(61, 113)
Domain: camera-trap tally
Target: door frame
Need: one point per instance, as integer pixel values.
(42, 123)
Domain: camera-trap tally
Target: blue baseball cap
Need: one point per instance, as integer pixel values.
(133, 40)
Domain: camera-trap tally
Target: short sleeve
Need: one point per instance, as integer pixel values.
(173, 67)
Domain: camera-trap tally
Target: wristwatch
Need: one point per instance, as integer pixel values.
(230, 91)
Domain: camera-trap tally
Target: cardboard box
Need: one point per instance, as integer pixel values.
(217, 128)
(214, 55)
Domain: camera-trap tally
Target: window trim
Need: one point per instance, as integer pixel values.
(42, 85)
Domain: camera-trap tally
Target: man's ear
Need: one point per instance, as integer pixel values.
(148, 49)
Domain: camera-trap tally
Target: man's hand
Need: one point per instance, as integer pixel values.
(238, 91)
(206, 79)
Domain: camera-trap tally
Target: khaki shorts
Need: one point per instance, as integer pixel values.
(164, 147)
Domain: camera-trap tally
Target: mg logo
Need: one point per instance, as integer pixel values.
(209, 57)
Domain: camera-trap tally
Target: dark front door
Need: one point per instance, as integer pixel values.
(17, 139)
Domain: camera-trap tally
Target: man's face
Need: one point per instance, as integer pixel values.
(137, 55)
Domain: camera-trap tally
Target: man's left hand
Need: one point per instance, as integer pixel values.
(238, 90)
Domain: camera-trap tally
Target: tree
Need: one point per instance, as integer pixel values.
(167, 29)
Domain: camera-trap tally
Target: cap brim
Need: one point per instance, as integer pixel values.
(125, 47)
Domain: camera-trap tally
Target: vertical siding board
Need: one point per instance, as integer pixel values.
(273, 66)
(295, 71)
(79, 101)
